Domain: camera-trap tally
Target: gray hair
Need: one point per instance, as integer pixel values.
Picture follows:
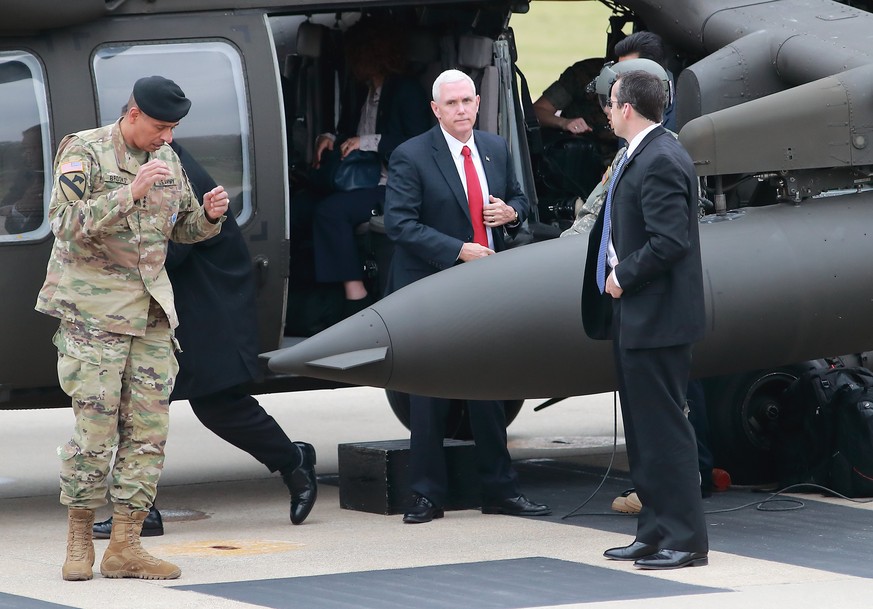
(450, 76)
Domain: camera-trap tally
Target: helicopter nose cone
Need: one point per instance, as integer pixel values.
(355, 350)
(469, 332)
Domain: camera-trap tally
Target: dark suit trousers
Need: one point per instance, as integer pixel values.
(333, 233)
(661, 446)
(236, 417)
(699, 419)
(427, 460)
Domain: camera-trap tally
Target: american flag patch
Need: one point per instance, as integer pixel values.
(71, 166)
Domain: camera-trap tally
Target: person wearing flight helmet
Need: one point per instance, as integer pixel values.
(586, 214)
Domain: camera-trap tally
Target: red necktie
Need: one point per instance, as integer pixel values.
(474, 198)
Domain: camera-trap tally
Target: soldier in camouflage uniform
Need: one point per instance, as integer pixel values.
(119, 195)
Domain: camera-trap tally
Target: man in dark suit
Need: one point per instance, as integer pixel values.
(643, 288)
(451, 193)
(214, 292)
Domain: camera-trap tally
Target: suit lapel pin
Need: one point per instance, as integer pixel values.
(487, 159)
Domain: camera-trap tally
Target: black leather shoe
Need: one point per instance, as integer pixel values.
(302, 484)
(706, 484)
(152, 526)
(517, 506)
(351, 307)
(636, 550)
(422, 511)
(672, 559)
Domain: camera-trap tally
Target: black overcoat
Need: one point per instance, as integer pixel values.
(214, 292)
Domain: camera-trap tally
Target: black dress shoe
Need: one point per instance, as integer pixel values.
(516, 506)
(351, 307)
(672, 559)
(706, 483)
(636, 550)
(302, 484)
(152, 526)
(422, 511)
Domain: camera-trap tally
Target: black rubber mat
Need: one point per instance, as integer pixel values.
(499, 584)
(13, 601)
(819, 535)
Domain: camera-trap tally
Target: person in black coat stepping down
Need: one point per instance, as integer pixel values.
(214, 290)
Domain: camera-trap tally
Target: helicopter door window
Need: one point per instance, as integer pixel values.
(25, 162)
(216, 131)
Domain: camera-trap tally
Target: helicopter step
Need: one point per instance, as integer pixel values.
(374, 476)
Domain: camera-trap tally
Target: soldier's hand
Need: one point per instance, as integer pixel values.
(215, 203)
(472, 251)
(577, 126)
(148, 175)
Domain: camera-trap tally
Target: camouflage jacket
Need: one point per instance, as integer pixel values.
(107, 262)
(586, 213)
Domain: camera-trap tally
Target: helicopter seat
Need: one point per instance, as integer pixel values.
(476, 58)
(310, 84)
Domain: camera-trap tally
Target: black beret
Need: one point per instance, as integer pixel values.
(161, 98)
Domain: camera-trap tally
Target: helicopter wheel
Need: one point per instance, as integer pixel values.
(744, 413)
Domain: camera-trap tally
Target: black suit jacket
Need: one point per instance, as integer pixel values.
(403, 111)
(426, 211)
(214, 292)
(655, 234)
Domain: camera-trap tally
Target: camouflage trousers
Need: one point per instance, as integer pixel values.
(120, 386)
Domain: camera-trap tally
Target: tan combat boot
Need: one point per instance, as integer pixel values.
(125, 556)
(80, 547)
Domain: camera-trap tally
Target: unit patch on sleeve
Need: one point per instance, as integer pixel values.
(71, 183)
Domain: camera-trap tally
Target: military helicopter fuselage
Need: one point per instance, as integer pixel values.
(773, 101)
(264, 79)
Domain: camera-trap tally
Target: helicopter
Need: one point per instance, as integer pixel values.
(264, 79)
(266, 76)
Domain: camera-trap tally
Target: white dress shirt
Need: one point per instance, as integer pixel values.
(455, 147)
(612, 257)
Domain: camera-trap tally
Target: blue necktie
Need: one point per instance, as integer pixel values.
(607, 226)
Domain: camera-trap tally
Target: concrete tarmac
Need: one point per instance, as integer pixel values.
(227, 527)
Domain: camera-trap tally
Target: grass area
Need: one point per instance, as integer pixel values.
(555, 34)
